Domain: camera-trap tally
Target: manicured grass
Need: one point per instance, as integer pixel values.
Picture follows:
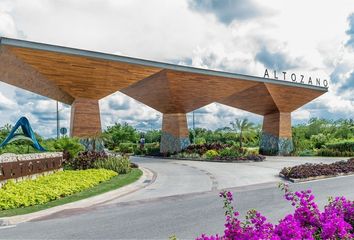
(114, 183)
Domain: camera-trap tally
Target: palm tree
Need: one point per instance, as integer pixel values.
(242, 126)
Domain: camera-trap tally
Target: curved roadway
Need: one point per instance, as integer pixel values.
(183, 200)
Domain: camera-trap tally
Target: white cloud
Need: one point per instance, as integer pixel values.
(217, 115)
(310, 37)
(301, 114)
(154, 29)
(128, 110)
(6, 103)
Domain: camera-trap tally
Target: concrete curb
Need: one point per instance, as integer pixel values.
(146, 179)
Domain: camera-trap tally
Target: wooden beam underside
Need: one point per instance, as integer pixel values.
(66, 77)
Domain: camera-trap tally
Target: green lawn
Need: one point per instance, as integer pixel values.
(114, 183)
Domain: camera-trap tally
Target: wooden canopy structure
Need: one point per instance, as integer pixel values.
(80, 78)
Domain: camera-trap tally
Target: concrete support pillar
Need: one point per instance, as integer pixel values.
(175, 134)
(276, 134)
(85, 118)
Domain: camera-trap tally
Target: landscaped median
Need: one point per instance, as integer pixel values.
(217, 152)
(99, 174)
(309, 171)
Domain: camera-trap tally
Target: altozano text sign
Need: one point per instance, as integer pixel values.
(300, 78)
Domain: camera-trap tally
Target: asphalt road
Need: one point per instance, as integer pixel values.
(186, 215)
(175, 177)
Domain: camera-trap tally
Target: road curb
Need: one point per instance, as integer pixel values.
(146, 179)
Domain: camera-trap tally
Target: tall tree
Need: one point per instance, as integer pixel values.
(119, 133)
(242, 126)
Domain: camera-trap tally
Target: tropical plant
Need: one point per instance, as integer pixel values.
(85, 160)
(199, 140)
(318, 140)
(71, 146)
(201, 149)
(120, 165)
(232, 152)
(211, 154)
(242, 127)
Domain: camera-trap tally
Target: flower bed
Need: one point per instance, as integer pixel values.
(51, 187)
(307, 221)
(92, 159)
(217, 152)
(309, 170)
(201, 149)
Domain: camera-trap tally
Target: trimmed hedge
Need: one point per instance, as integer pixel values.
(333, 153)
(338, 149)
(126, 148)
(48, 188)
(150, 149)
(344, 146)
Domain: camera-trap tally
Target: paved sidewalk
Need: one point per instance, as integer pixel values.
(146, 179)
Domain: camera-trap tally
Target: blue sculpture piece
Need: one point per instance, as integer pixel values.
(28, 134)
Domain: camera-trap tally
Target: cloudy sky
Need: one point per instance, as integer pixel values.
(311, 37)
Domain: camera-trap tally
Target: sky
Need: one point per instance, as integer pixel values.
(314, 38)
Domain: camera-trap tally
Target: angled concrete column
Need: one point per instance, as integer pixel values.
(85, 118)
(175, 134)
(276, 134)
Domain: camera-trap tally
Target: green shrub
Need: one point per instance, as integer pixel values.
(230, 152)
(334, 153)
(126, 148)
(50, 187)
(343, 146)
(199, 140)
(139, 151)
(119, 133)
(152, 149)
(17, 148)
(120, 165)
(85, 160)
(65, 144)
(318, 140)
(305, 153)
(210, 154)
(251, 151)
